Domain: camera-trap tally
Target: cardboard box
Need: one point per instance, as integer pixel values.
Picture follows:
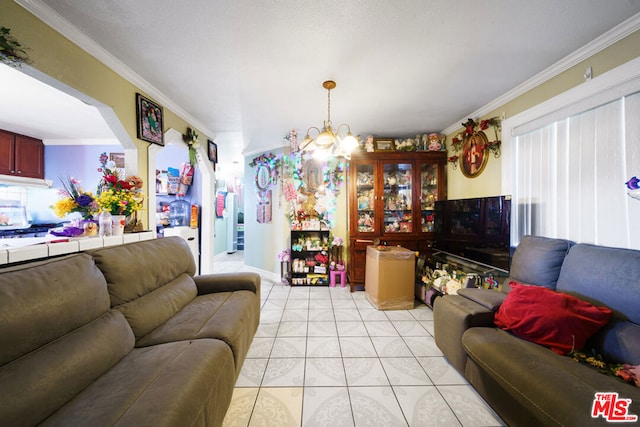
(390, 278)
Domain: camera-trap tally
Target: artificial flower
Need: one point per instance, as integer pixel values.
(116, 195)
(74, 199)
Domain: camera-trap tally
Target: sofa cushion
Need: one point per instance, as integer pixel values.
(149, 281)
(617, 342)
(228, 316)
(70, 290)
(38, 383)
(604, 276)
(534, 380)
(136, 269)
(187, 383)
(553, 319)
(537, 261)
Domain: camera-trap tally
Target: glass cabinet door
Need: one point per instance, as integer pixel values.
(428, 195)
(365, 193)
(396, 197)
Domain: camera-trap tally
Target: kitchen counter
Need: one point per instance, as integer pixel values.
(30, 248)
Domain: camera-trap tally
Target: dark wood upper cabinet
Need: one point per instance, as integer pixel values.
(21, 155)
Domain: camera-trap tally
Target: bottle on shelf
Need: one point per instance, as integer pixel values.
(179, 212)
(105, 224)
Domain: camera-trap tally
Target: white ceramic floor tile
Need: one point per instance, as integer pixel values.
(321, 315)
(322, 329)
(364, 371)
(324, 371)
(404, 371)
(278, 406)
(410, 328)
(297, 304)
(391, 347)
(327, 407)
(428, 325)
(422, 313)
(320, 303)
(470, 409)
(260, 348)
(270, 316)
(266, 330)
(297, 315)
(440, 371)
(346, 315)
(252, 373)
(399, 315)
(292, 329)
(286, 372)
(371, 314)
(375, 406)
(357, 347)
(423, 346)
(351, 329)
(379, 328)
(323, 347)
(289, 347)
(241, 408)
(424, 406)
(344, 303)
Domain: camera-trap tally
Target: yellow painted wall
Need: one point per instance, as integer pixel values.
(489, 182)
(56, 56)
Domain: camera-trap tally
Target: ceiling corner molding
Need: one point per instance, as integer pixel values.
(50, 17)
(607, 39)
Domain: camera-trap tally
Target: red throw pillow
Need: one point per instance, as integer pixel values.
(553, 319)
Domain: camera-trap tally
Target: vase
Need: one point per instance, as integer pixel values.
(118, 224)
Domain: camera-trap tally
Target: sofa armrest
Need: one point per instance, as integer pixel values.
(228, 282)
(452, 316)
(485, 297)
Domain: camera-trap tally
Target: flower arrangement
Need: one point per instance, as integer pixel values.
(443, 280)
(74, 199)
(627, 373)
(12, 52)
(116, 195)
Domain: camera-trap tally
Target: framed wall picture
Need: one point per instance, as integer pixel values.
(149, 118)
(118, 159)
(383, 144)
(212, 150)
(474, 155)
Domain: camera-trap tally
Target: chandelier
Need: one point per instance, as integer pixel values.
(327, 141)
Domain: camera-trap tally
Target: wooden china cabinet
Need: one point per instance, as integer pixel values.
(391, 202)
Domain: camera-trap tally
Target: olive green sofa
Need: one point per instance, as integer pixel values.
(122, 336)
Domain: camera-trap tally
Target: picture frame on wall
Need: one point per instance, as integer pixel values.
(150, 120)
(474, 155)
(383, 144)
(212, 150)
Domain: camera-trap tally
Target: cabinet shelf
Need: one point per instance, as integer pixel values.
(309, 265)
(391, 200)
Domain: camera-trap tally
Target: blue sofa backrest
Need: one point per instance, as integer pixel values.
(610, 277)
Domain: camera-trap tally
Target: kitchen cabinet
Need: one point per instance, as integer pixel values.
(21, 155)
(391, 202)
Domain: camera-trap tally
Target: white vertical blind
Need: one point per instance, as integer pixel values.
(570, 175)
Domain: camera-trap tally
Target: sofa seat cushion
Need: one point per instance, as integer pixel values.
(553, 319)
(227, 316)
(556, 388)
(186, 383)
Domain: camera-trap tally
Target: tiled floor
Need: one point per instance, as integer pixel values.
(326, 357)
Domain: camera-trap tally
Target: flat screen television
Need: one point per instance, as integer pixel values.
(477, 230)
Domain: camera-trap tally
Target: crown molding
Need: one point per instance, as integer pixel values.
(53, 19)
(607, 39)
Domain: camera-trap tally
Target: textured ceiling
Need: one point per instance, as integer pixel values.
(248, 71)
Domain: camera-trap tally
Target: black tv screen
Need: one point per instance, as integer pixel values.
(477, 229)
